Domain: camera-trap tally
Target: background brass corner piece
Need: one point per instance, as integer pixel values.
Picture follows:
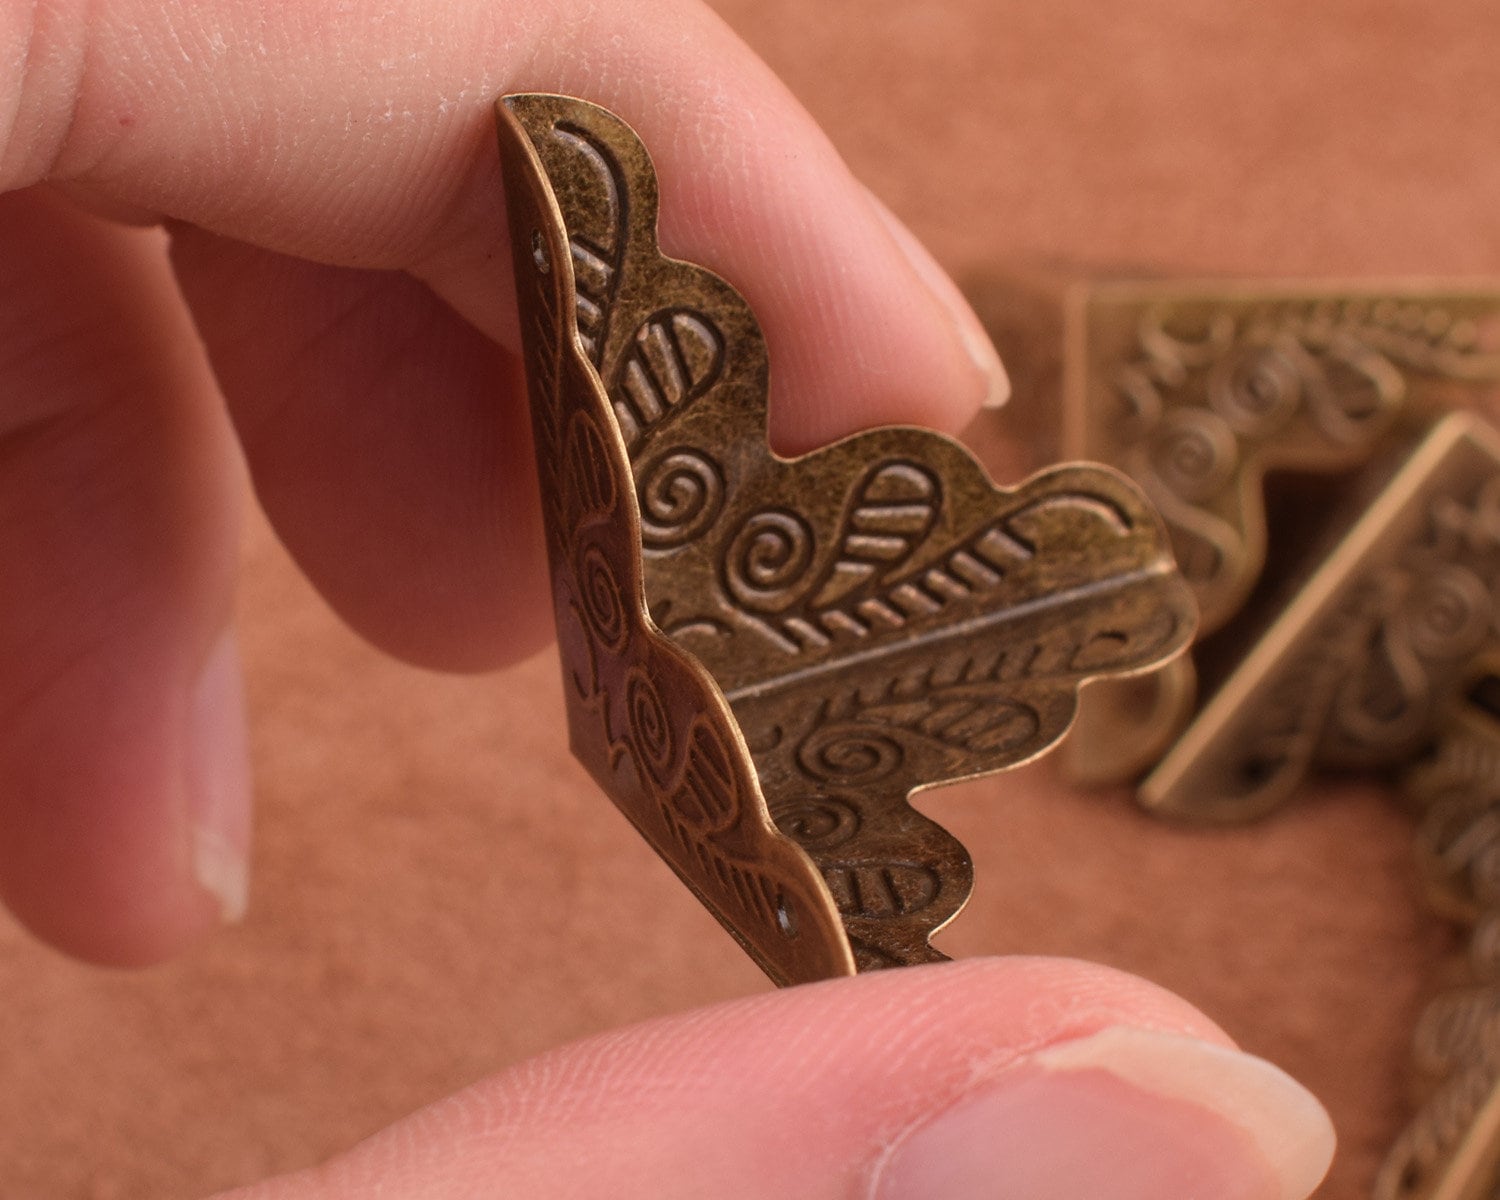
(1237, 406)
(1358, 667)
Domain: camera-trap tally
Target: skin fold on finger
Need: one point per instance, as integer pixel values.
(122, 797)
(387, 444)
(836, 1091)
(362, 135)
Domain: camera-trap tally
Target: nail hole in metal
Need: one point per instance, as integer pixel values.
(786, 917)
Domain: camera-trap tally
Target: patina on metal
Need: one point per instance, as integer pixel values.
(764, 658)
(1199, 392)
(1355, 669)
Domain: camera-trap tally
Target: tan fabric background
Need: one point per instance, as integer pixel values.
(439, 891)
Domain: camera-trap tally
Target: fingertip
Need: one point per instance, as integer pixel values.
(125, 810)
(863, 328)
(991, 388)
(120, 493)
(1126, 1113)
(111, 901)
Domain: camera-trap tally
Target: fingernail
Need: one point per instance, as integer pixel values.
(971, 333)
(1124, 1114)
(218, 780)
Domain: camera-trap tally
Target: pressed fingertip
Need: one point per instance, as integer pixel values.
(992, 384)
(218, 781)
(987, 359)
(1124, 1114)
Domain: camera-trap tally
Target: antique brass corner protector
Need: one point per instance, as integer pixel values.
(1200, 392)
(764, 658)
(1376, 643)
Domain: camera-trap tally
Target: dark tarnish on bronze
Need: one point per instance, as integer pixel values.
(1198, 392)
(764, 658)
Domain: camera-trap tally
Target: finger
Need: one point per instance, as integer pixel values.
(1033, 1078)
(123, 783)
(385, 444)
(332, 133)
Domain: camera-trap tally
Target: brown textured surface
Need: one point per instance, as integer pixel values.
(850, 680)
(439, 890)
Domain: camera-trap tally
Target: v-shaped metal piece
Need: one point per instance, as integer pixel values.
(764, 658)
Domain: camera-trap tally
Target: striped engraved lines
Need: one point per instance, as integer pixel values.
(756, 892)
(882, 891)
(700, 801)
(894, 511)
(960, 699)
(543, 375)
(677, 355)
(593, 278)
(976, 567)
(596, 244)
(866, 888)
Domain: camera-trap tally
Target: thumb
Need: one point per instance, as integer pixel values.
(1029, 1079)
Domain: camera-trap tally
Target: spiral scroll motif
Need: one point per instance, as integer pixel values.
(603, 600)
(681, 495)
(1194, 453)
(817, 822)
(850, 754)
(1257, 388)
(1361, 388)
(650, 727)
(1447, 614)
(769, 560)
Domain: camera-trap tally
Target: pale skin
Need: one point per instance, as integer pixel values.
(336, 274)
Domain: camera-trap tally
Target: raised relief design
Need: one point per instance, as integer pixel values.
(1209, 395)
(1356, 670)
(765, 657)
(1199, 395)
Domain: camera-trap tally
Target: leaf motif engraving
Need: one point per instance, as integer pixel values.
(872, 617)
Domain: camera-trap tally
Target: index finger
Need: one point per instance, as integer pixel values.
(361, 135)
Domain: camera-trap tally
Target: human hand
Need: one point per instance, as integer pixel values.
(337, 247)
